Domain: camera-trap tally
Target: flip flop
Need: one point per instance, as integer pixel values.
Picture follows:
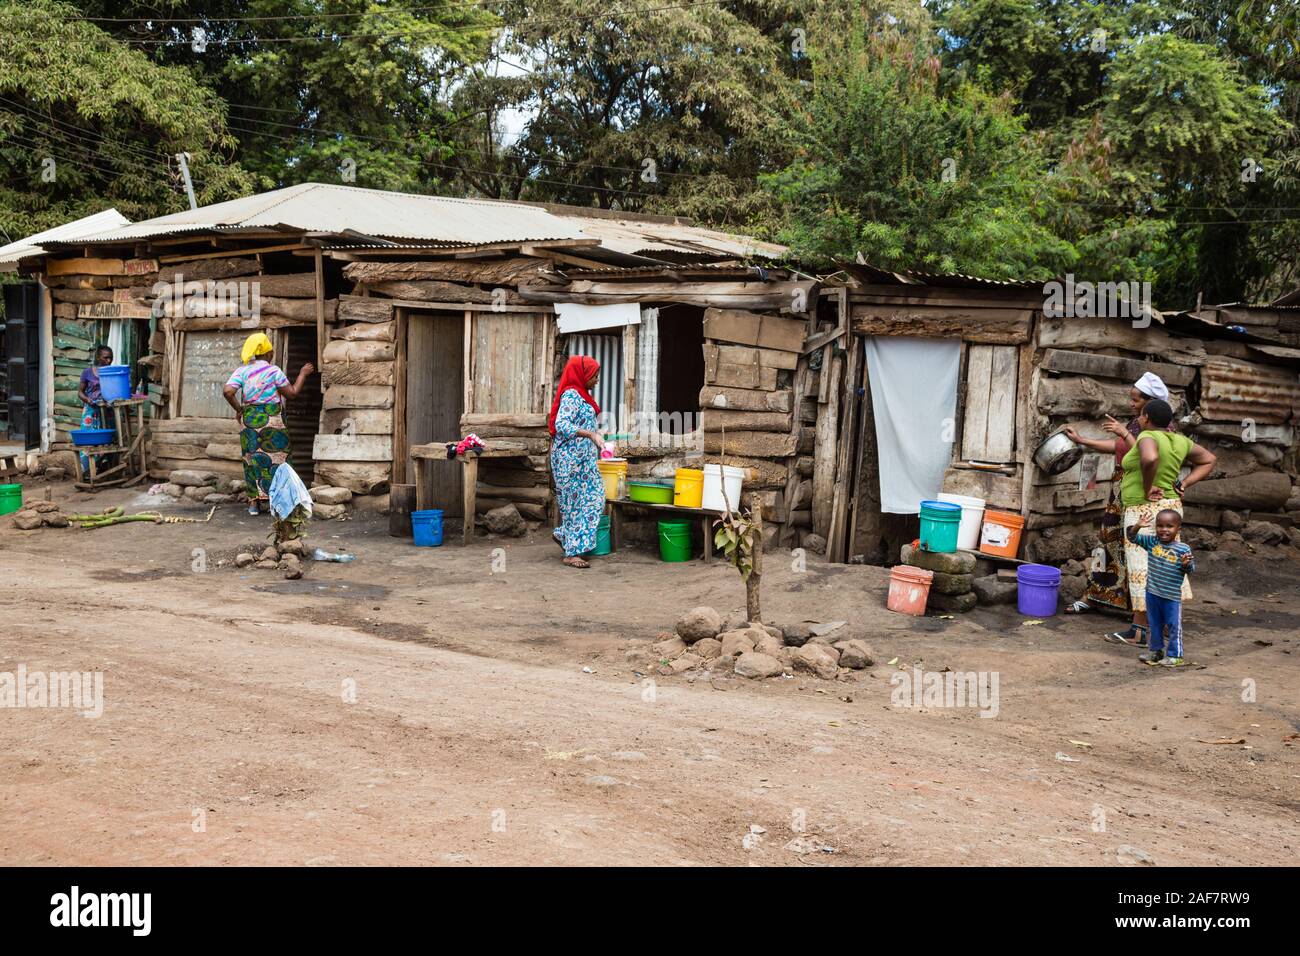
(1079, 607)
(578, 563)
(1123, 637)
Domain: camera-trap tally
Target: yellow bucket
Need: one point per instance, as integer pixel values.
(613, 472)
(688, 488)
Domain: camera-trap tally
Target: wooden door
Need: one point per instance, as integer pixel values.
(435, 390)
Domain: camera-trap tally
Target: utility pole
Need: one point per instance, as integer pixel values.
(183, 159)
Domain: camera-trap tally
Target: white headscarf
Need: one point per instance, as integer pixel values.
(1152, 386)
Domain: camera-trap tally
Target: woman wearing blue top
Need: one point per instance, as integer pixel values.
(575, 450)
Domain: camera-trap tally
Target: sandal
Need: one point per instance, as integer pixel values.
(1135, 636)
(1078, 607)
(576, 562)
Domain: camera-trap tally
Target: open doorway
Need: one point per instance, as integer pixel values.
(301, 414)
(435, 392)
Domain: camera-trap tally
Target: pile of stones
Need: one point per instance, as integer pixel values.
(952, 591)
(702, 641)
(286, 556)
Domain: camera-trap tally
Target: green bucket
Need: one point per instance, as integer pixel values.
(602, 537)
(11, 498)
(675, 540)
(940, 521)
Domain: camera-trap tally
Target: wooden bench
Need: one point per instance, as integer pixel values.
(618, 506)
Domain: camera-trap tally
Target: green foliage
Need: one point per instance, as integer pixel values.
(893, 166)
(108, 118)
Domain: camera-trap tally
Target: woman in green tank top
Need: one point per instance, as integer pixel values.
(1151, 485)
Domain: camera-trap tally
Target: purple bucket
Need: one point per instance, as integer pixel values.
(1037, 588)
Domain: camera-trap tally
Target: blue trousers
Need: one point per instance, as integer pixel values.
(1165, 612)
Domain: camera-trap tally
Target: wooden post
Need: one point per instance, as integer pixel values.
(400, 450)
(470, 496)
(752, 604)
(320, 310)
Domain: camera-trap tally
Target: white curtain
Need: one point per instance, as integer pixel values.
(914, 399)
(647, 370)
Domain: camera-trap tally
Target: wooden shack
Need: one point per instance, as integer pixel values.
(1024, 373)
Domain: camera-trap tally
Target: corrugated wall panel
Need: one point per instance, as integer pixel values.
(608, 351)
(1232, 390)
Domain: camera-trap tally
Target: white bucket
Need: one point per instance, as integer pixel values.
(713, 482)
(972, 519)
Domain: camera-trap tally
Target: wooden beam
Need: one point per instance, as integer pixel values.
(230, 253)
(1109, 366)
(320, 310)
(400, 451)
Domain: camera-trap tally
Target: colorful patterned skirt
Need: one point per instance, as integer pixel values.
(1108, 579)
(1137, 557)
(264, 443)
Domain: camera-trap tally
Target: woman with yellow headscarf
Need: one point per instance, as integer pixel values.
(256, 391)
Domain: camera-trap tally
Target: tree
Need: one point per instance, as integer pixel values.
(656, 107)
(87, 123)
(895, 166)
(339, 91)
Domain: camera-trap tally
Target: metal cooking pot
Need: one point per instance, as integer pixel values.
(1057, 453)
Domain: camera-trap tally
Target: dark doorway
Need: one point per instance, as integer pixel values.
(302, 414)
(22, 344)
(435, 392)
(681, 366)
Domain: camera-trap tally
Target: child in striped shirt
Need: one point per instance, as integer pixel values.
(1168, 562)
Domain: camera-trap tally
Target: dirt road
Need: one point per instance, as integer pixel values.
(433, 707)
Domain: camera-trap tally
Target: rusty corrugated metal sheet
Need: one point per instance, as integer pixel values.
(1233, 390)
(331, 208)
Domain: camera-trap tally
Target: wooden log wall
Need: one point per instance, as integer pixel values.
(87, 293)
(355, 446)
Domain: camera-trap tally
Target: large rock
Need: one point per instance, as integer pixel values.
(707, 648)
(855, 653)
(217, 498)
(754, 665)
(505, 520)
(989, 590)
(328, 512)
(1231, 521)
(1058, 547)
(952, 562)
(244, 559)
(192, 479)
(699, 623)
(329, 495)
(27, 520)
(1199, 539)
(1073, 587)
(951, 603)
(1263, 532)
(172, 490)
(797, 635)
(951, 583)
(771, 646)
(814, 543)
(668, 648)
(197, 492)
(817, 658)
(734, 643)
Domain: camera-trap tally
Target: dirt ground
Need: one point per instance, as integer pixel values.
(503, 714)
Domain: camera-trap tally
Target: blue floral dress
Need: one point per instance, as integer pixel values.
(578, 486)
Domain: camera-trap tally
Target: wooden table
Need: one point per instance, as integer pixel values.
(704, 515)
(129, 442)
(423, 457)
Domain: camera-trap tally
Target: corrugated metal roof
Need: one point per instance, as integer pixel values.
(11, 254)
(1234, 391)
(329, 208)
(873, 275)
(1291, 298)
(680, 242)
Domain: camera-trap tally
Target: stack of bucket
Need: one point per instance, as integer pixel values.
(934, 574)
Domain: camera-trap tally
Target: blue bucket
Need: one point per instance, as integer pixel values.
(115, 382)
(426, 528)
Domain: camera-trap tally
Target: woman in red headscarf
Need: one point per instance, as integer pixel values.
(575, 450)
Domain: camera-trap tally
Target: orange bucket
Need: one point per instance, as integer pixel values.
(909, 589)
(1000, 534)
